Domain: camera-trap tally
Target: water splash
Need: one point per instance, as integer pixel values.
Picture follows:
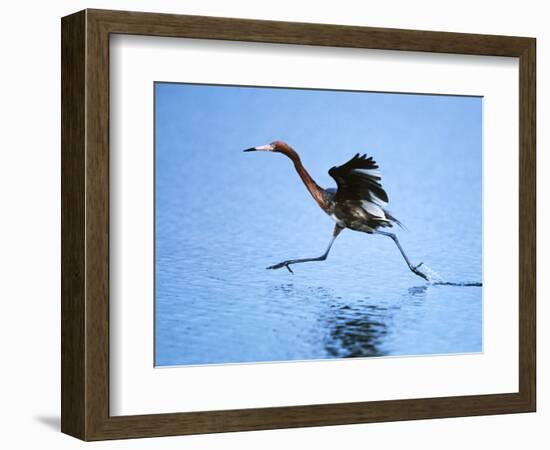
(432, 275)
(436, 280)
(466, 284)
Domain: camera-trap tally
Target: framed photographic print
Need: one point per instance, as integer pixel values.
(271, 224)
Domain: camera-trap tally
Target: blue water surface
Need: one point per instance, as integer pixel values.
(222, 216)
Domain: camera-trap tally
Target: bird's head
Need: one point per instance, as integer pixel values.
(275, 146)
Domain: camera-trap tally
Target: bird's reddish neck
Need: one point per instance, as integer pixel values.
(314, 189)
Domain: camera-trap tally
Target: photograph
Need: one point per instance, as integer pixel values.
(301, 224)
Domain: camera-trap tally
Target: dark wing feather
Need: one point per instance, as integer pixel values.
(358, 179)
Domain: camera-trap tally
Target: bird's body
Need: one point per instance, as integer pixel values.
(358, 203)
(353, 215)
(358, 215)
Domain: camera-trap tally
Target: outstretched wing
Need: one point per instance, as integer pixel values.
(359, 179)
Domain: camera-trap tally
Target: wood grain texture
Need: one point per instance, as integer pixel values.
(152, 24)
(73, 225)
(85, 224)
(527, 224)
(97, 225)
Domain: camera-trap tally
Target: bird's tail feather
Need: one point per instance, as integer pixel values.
(394, 220)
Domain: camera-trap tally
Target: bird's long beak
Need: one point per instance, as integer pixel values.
(259, 148)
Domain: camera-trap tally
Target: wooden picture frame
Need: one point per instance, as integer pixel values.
(85, 224)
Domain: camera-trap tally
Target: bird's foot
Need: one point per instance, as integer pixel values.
(280, 265)
(415, 270)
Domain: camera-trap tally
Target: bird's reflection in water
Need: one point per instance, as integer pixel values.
(348, 328)
(361, 328)
(357, 331)
(353, 327)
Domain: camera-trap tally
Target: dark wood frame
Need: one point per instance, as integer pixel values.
(85, 224)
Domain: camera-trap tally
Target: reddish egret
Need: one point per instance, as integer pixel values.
(357, 204)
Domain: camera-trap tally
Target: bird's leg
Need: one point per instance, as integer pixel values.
(414, 269)
(288, 263)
